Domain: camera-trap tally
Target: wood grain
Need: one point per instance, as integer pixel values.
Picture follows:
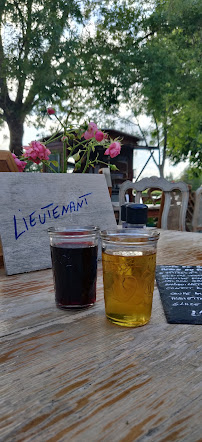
(1, 255)
(31, 203)
(74, 376)
(7, 163)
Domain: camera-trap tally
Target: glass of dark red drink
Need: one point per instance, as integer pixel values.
(74, 264)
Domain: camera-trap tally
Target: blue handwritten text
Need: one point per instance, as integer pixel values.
(50, 211)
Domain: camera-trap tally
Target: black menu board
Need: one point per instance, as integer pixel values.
(180, 289)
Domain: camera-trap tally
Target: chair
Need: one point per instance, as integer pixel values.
(106, 172)
(164, 185)
(197, 215)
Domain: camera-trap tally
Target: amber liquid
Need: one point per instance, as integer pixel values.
(128, 286)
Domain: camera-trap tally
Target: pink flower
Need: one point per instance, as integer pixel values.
(91, 131)
(50, 110)
(20, 164)
(36, 152)
(92, 127)
(113, 150)
(87, 135)
(64, 138)
(99, 135)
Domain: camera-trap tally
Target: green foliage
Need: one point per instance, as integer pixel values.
(171, 79)
(41, 53)
(185, 138)
(34, 47)
(145, 54)
(190, 176)
(183, 93)
(155, 51)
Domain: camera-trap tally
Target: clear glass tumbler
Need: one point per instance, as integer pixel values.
(74, 264)
(129, 262)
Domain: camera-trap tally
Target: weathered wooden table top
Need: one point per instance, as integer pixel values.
(73, 376)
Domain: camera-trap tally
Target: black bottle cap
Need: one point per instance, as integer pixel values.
(136, 214)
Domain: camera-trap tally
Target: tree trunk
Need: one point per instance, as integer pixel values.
(165, 137)
(161, 167)
(16, 135)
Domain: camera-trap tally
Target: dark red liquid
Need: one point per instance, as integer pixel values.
(75, 273)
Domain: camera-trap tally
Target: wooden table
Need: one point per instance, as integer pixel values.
(73, 376)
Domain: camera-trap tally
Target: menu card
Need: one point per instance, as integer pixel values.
(180, 289)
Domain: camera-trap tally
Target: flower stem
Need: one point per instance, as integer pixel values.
(52, 139)
(64, 157)
(64, 127)
(50, 167)
(71, 152)
(87, 159)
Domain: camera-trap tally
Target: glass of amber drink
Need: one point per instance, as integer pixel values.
(129, 262)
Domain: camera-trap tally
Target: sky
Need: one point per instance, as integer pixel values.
(140, 156)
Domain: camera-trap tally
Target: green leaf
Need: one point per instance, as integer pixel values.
(113, 167)
(78, 165)
(55, 163)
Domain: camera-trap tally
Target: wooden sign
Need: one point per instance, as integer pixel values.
(30, 203)
(7, 163)
(180, 289)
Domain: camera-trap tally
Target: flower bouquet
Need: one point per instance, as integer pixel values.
(77, 143)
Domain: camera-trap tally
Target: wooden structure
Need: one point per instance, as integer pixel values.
(167, 187)
(59, 200)
(124, 161)
(106, 172)
(73, 376)
(197, 215)
(1, 254)
(190, 209)
(7, 163)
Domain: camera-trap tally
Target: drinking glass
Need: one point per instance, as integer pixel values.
(129, 262)
(74, 264)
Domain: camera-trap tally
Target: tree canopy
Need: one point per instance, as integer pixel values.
(155, 52)
(40, 58)
(86, 54)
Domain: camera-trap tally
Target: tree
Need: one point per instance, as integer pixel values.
(189, 177)
(155, 52)
(145, 54)
(158, 91)
(179, 88)
(40, 46)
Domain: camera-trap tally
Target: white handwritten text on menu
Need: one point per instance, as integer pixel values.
(180, 289)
